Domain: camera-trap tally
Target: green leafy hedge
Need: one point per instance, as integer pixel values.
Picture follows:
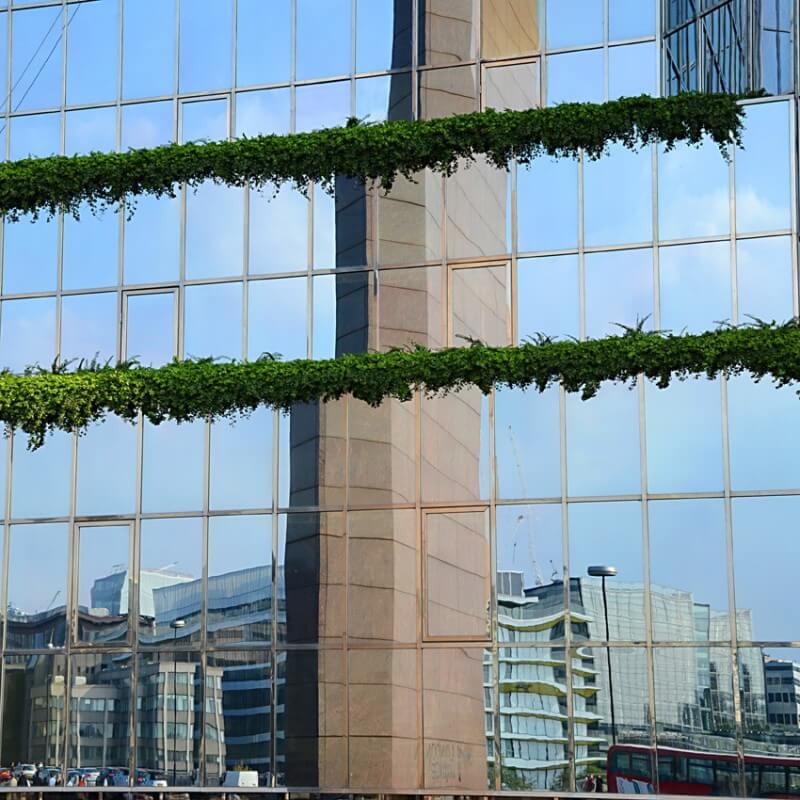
(366, 152)
(189, 390)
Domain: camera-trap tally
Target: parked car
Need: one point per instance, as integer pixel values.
(246, 779)
(28, 770)
(146, 777)
(5, 774)
(112, 776)
(90, 774)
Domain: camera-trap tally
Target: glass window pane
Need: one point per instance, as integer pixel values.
(30, 255)
(695, 286)
(324, 341)
(457, 574)
(322, 105)
(221, 302)
(447, 33)
(763, 182)
(205, 120)
(27, 333)
(688, 680)
(571, 22)
(35, 75)
(34, 682)
(264, 42)
(311, 578)
(172, 472)
(383, 738)
(386, 97)
(480, 310)
(527, 443)
(241, 462)
(37, 608)
(214, 231)
(100, 713)
(90, 130)
(684, 436)
(410, 221)
(619, 291)
(323, 38)
(762, 527)
(92, 39)
(382, 452)
(278, 231)
(547, 205)
(103, 584)
(603, 442)
(89, 325)
(444, 92)
(382, 586)
(305, 479)
(148, 64)
(150, 328)
(326, 672)
(768, 721)
(478, 203)
(205, 45)
(548, 298)
(239, 580)
(693, 196)
(147, 125)
(455, 446)
(243, 685)
(631, 18)
(173, 702)
(530, 575)
(37, 136)
(277, 318)
(688, 570)
(618, 197)
(764, 278)
(454, 716)
(170, 581)
(632, 70)
(510, 28)
(764, 434)
(514, 87)
(267, 111)
(611, 706)
(152, 239)
(324, 233)
(91, 255)
(48, 468)
(107, 468)
(607, 534)
(383, 35)
(4, 57)
(575, 77)
(410, 307)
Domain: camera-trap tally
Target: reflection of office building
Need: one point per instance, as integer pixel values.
(692, 685)
(783, 692)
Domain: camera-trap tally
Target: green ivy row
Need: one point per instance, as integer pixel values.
(188, 390)
(366, 152)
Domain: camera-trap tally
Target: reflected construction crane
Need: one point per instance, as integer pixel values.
(526, 517)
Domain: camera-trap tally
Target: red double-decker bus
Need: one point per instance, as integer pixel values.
(696, 773)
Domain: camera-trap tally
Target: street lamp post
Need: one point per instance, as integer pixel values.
(176, 625)
(603, 572)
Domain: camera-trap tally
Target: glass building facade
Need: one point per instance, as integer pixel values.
(397, 598)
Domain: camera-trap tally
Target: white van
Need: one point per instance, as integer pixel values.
(245, 780)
